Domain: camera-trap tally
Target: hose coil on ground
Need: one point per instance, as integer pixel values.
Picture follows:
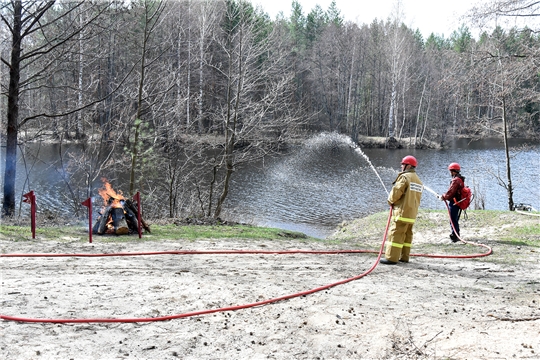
(230, 308)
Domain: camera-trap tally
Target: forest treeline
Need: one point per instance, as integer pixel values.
(182, 92)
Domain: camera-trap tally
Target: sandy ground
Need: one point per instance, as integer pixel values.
(430, 308)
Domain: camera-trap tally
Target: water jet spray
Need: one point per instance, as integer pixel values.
(359, 151)
(431, 191)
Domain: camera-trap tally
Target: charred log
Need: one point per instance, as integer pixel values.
(133, 208)
(119, 219)
(120, 225)
(103, 220)
(131, 219)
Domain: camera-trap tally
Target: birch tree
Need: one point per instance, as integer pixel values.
(398, 60)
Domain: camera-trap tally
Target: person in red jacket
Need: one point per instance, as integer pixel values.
(405, 199)
(453, 195)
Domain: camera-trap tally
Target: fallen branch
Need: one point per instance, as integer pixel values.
(513, 319)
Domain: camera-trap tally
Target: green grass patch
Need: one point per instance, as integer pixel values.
(521, 235)
(24, 233)
(517, 242)
(369, 227)
(159, 232)
(192, 232)
(428, 219)
(512, 229)
(528, 230)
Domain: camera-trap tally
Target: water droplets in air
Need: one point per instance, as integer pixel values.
(335, 139)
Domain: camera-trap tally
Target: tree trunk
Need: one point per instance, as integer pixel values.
(392, 108)
(8, 207)
(79, 131)
(188, 75)
(419, 112)
(232, 117)
(211, 191)
(426, 117)
(348, 107)
(225, 191)
(509, 187)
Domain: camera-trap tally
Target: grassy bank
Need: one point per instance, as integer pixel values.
(158, 232)
(512, 236)
(504, 227)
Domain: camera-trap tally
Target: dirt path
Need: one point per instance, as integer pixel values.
(427, 309)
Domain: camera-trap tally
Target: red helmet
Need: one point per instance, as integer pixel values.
(454, 166)
(409, 160)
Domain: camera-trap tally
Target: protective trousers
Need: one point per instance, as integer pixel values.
(398, 246)
(454, 218)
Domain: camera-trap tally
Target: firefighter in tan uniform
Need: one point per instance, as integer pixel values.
(405, 199)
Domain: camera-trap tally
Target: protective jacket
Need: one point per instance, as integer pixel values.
(454, 191)
(405, 196)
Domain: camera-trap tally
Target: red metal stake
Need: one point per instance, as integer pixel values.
(30, 198)
(137, 198)
(88, 203)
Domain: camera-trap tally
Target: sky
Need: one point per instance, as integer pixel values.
(441, 17)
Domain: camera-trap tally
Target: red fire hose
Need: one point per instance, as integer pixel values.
(230, 308)
(466, 242)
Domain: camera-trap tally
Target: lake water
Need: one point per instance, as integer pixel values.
(325, 182)
(315, 187)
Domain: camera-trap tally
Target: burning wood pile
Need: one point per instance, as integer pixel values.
(119, 215)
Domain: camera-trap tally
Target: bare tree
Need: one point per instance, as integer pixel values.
(397, 61)
(207, 17)
(33, 37)
(151, 17)
(512, 65)
(510, 93)
(506, 12)
(256, 81)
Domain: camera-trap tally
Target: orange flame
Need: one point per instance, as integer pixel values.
(109, 195)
